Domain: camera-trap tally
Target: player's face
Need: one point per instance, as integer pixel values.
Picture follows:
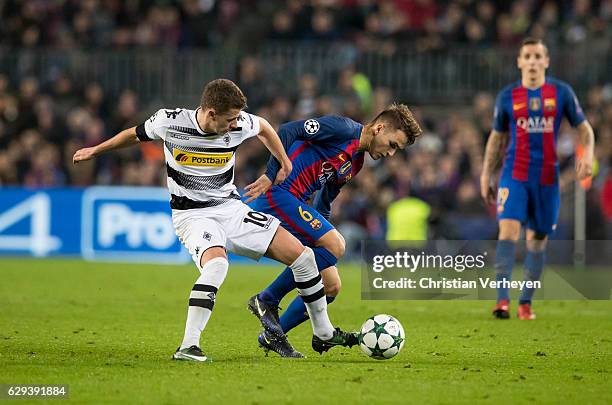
(533, 61)
(227, 121)
(386, 141)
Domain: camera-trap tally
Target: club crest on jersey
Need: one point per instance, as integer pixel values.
(316, 224)
(550, 104)
(227, 139)
(201, 159)
(312, 126)
(535, 103)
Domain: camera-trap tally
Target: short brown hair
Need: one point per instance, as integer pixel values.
(400, 117)
(532, 41)
(222, 95)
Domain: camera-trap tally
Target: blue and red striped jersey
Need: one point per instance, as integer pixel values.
(533, 118)
(324, 153)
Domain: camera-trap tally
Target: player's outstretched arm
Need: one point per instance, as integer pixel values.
(271, 140)
(127, 137)
(494, 153)
(586, 139)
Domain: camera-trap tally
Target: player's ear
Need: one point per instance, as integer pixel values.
(210, 113)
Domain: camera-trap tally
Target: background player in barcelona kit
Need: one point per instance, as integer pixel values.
(531, 110)
(326, 153)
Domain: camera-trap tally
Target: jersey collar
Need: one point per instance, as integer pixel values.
(194, 118)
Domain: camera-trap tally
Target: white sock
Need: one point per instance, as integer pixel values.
(310, 287)
(202, 300)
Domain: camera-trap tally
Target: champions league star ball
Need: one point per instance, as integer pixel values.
(381, 337)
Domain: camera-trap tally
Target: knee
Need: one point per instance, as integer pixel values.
(509, 231)
(509, 234)
(537, 242)
(215, 252)
(332, 288)
(336, 246)
(214, 271)
(305, 266)
(331, 281)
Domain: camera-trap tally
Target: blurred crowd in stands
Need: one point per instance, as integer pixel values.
(428, 24)
(430, 190)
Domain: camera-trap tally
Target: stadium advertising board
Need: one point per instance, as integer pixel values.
(97, 223)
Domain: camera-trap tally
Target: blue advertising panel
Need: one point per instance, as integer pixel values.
(133, 223)
(40, 222)
(99, 223)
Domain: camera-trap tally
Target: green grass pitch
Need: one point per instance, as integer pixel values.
(108, 330)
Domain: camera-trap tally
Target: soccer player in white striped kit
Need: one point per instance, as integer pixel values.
(208, 216)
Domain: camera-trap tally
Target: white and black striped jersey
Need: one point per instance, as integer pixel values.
(200, 165)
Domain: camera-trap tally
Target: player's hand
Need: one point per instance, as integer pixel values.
(283, 172)
(257, 188)
(488, 190)
(584, 168)
(83, 154)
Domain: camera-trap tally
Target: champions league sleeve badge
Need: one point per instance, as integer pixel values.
(312, 126)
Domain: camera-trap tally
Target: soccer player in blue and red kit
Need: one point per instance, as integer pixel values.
(531, 111)
(326, 153)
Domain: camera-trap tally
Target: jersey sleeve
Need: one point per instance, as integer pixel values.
(250, 125)
(324, 130)
(324, 198)
(500, 114)
(153, 128)
(571, 107)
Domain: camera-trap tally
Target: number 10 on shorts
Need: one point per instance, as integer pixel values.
(257, 218)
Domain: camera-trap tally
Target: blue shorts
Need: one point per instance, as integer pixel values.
(530, 203)
(303, 221)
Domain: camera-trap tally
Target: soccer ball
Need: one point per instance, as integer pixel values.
(381, 337)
